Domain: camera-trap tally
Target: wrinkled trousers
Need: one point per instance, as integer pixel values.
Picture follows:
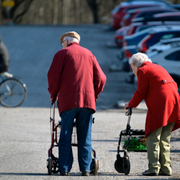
(84, 120)
(158, 149)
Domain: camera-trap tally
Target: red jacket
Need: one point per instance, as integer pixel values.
(76, 78)
(160, 93)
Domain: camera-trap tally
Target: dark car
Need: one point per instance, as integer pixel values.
(157, 17)
(122, 9)
(139, 26)
(150, 13)
(143, 12)
(153, 37)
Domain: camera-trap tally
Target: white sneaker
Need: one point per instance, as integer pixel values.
(7, 74)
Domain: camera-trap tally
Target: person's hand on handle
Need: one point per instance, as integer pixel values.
(126, 106)
(53, 100)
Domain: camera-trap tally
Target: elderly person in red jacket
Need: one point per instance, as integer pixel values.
(76, 78)
(160, 93)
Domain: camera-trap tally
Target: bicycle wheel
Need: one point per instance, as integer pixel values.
(12, 92)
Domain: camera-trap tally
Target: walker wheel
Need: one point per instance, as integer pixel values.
(126, 165)
(95, 167)
(122, 164)
(49, 166)
(118, 165)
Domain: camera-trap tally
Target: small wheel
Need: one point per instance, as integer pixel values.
(126, 165)
(118, 166)
(49, 166)
(12, 92)
(95, 167)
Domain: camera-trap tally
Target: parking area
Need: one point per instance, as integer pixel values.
(25, 131)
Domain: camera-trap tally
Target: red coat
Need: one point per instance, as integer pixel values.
(76, 78)
(160, 93)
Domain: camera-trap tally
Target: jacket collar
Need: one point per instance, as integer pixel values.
(73, 44)
(145, 63)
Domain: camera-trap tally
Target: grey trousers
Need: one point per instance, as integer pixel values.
(158, 149)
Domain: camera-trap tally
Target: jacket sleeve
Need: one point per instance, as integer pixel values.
(141, 91)
(54, 75)
(99, 78)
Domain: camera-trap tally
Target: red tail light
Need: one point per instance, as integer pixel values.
(131, 31)
(144, 47)
(128, 54)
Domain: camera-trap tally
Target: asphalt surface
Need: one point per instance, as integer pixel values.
(25, 131)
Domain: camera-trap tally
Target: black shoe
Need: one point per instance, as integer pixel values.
(147, 173)
(163, 174)
(85, 173)
(64, 174)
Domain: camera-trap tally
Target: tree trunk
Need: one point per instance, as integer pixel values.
(94, 8)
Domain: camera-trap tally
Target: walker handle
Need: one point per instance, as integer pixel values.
(128, 112)
(53, 111)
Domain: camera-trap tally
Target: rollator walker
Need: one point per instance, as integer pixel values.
(129, 140)
(52, 161)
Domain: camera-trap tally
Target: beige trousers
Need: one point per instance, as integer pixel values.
(158, 149)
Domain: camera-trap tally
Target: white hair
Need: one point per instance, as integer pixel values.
(70, 39)
(138, 59)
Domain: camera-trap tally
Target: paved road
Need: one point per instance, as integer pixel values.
(32, 48)
(25, 140)
(25, 131)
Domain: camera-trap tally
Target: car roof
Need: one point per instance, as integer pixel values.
(145, 2)
(157, 29)
(142, 19)
(163, 1)
(165, 28)
(154, 23)
(165, 41)
(167, 14)
(150, 8)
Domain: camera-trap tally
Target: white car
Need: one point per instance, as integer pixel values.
(164, 44)
(170, 60)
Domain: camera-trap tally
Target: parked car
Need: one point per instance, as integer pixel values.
(168, 3)
(164, 44)
(155, 36)
(119, 35)
(126, 19)
(175, 6)
(119, 11)
(139, 26)
(159, 32)
(144, 12)
(168, 14)
(170, 60)
(149, 13)
(156, 18)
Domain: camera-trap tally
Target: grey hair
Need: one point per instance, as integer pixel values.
(70, 39)
(138, 59)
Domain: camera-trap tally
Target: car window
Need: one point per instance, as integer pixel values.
(148, 14)
(161, 36)
(167, 36)
(175, 56)
(142, 28)
(153, 40)
(170, 35)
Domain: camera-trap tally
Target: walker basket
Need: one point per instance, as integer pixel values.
(134, 142)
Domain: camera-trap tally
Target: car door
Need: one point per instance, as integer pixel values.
(170, 60)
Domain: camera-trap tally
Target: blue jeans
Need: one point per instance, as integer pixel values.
(83, 123)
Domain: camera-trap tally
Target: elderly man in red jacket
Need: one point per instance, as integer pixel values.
(160, 93)
(76, 78)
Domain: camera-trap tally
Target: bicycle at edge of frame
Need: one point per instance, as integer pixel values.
(13, 91)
